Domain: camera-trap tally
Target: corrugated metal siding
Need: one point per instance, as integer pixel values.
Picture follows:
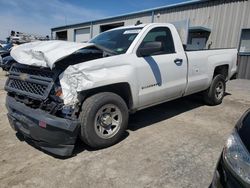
(244, 67)
(131, 20)
(224, 18)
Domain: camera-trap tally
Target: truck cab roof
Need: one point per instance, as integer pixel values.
(140, 26)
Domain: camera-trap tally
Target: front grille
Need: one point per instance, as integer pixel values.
(33, 82)
(28, 87)
(32, 71)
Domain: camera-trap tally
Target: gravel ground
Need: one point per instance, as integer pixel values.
(175, 144)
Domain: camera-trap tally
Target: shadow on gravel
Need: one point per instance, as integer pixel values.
(164, 111)
(80, 146)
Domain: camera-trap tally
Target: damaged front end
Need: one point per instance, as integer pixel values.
(36, 105)
(36, 110)
(37, 88)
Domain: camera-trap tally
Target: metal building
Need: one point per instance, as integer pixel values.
(212, 24)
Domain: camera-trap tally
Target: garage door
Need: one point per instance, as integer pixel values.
(82, 35)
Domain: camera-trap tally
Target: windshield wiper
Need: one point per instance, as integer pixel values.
(109, 51)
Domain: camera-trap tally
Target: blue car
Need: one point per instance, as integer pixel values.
(6, 60)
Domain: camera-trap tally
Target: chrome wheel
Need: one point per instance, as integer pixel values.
(219, 90)
(108, 121)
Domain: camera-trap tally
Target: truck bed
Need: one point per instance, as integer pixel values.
(201, 65)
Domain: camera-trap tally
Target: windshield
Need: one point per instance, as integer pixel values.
(117, 40)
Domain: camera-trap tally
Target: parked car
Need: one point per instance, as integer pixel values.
(2, 43)
(6, 62)
(5, 59)
(233, 168)
(5, 51)
(60, 90)
(6, 48)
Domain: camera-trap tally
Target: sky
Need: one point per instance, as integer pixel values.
(39, 16)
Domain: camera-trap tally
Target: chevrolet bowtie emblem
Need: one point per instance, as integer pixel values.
(24, 77)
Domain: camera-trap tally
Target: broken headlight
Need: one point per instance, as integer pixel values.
(58, 91)
(66, 110)
(236, 157)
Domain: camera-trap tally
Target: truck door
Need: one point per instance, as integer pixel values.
(161, 73)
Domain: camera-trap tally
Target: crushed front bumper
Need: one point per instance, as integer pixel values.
(50, 133)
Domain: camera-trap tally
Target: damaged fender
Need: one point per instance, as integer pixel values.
(92, 74)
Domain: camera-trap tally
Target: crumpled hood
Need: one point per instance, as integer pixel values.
(77, 77)
(45, 53)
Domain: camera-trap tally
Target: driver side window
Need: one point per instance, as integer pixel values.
(162, 35)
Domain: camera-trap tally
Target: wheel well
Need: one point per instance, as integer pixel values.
(222, 69)
(121, 89)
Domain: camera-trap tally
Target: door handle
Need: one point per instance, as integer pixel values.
(178, 61)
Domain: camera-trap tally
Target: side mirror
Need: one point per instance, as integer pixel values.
(149, 49)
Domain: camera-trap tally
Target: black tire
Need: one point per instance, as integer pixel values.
(210, 95)
(90, 109)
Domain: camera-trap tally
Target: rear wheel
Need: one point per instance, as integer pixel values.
(104, 119)
(215, 93)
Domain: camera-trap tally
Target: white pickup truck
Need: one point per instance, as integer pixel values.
(60, 90)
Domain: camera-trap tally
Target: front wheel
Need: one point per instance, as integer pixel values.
(104, 119)
(215, 93)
